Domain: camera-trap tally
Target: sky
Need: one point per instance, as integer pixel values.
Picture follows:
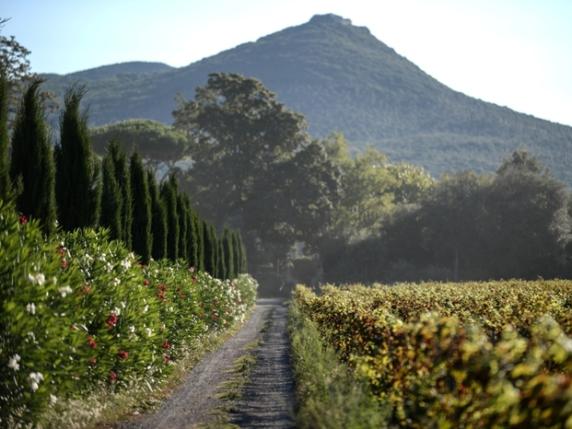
(516, 53)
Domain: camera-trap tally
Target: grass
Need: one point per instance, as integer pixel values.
(231, 390)
(103, 409)
(328, 393)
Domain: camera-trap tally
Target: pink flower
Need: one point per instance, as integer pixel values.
(112, 376)
(166, 345)
(123, 355)
(23, 219)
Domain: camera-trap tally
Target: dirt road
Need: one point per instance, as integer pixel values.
(268, 398)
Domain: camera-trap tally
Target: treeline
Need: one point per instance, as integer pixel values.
(70, 187)
(516, 223)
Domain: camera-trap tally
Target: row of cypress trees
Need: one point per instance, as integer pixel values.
(72, 185)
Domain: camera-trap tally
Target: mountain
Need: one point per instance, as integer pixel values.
(111, 71)
(343, 79)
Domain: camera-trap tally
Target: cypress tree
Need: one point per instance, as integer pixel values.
(159, 219)
(221, 272)
(241, 254)
(193, 240)
(141, 228)
(229, 256)
(32, 166)
(5, 184)
(200, 242)
(210, 249)
(78, 186)
(236, 251)
(183, 227)
(111, 205)
(123, 177)
(169, 197)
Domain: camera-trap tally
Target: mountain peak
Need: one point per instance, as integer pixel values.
(342, 77)
(330, 18)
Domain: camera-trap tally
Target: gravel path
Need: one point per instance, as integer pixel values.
(268, 398)
(269, 395)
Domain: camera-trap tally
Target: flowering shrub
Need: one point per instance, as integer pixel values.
(441, 368)
(80, 311)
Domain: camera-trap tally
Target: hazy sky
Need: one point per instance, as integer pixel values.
(516, 53)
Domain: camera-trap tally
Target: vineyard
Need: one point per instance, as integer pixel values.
(79, 312)
(470, 355)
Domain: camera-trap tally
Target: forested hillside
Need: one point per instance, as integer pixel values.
(342, 78)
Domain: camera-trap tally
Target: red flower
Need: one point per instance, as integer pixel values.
(161, 292)
(123, 355)
(92, 361)
(112, 376)
(166, 345)
(146, 282)
(23, 219)
(112, 320)
(91, 342)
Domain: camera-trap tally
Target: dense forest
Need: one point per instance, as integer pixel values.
(312, 212)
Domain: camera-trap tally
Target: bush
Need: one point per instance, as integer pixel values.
(487, 355)
(79, 312)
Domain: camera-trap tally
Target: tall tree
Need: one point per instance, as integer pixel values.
(13, 57)
(142, 221)
(229, 255)
(78, 184)
(123, 178)
(5, 184)
(200, 242)
(221, 271)
(236, 252)
(111, 204)
(528, 223)
(159, 221)
(240, 252)
(192, 233)
(210, 248)
(32, 166)
(241, 136)
(182, 211)
(169, 195)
